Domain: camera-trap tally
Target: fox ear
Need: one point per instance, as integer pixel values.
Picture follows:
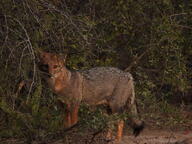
(40, 52)
(64, 58)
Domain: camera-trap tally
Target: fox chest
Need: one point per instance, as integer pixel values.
(66, 93)
(51, 83)
(55, 85)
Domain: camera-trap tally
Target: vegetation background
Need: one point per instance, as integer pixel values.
(152, 39)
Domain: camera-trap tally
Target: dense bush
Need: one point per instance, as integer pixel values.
(152, 39)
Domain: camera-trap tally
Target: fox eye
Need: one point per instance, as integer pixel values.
(55, 66)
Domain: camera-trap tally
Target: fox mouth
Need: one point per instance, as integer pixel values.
(44, 68)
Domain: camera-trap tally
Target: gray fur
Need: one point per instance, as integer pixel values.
(99, 85)
(102, 85)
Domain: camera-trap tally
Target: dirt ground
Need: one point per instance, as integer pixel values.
(148, 136)
(160, 137)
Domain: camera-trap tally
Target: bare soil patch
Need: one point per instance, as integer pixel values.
(160, 137)
(148, 136)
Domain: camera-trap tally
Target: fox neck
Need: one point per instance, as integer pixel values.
(60, 80)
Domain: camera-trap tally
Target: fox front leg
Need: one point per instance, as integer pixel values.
(71, 115)
(74, 114)
(67, 119)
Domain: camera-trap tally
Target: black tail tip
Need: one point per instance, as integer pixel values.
(138, 129)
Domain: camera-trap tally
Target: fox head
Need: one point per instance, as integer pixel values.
(51, 63)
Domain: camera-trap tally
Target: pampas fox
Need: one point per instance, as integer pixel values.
(99, 85)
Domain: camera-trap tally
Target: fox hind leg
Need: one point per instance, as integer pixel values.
(120, 126)
(115, 108)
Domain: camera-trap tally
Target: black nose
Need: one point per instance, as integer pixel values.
(44, 68)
